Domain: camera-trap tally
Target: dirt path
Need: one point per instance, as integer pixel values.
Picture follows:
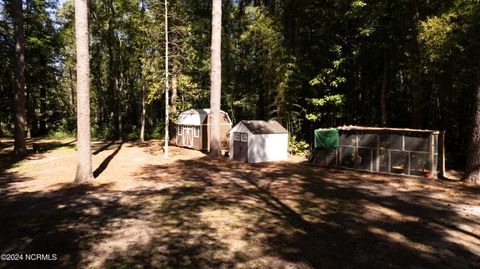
(191, 211)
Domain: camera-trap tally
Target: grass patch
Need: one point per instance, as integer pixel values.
(60, 135)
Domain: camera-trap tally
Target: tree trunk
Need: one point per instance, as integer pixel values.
(174, 21)
(84, 157)
(144, 89)
(72, 90)
(119, 83)
(20, 146)
(417, 91)
(43, 111)
(142, 118)
(216, 78)
(173, 98)
(472, 169)
(166, 81)
(383, 92)
(29, 114)
(113, 71)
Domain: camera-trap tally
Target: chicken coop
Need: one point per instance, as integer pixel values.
(382, 150)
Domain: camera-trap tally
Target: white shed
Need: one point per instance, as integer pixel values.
(256, 141)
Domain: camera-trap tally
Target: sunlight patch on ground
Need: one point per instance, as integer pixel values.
(127, 238)
(400, 238)
(377, 212)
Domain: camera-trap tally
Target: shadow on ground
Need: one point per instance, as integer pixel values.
(65, 222)
(204, 213)
(107, 160)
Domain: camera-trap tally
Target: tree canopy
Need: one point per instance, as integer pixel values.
(308, 64)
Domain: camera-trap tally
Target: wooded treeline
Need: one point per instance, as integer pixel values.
(309, 64)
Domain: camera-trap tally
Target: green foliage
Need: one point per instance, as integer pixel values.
(298, 147)
(7, 133)
(434, 36)
(306, 63)
(327, 106)
(157, 132)
(132, 136)
(60, 134)
(102, 132)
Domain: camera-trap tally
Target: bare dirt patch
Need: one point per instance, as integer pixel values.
(187, 211)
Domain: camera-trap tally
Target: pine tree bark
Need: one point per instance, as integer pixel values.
(416, 84)
(20, 146)
(144, 89)
(216, 78)
(72, 90)
(43, 111)
(173, 98)
(166, 83)
(119, 83)
(29, 114)
(84, 157)
(142, 119)
(472, 169)
(175, 59)
(383, 92)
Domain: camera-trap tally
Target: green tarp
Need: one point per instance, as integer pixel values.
(326, 139)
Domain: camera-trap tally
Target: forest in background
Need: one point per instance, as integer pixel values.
(308, 64)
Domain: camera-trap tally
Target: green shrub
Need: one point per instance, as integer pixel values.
(298, 147)
(132, 135)
(157, 132)
(102, 132)
(59, 134)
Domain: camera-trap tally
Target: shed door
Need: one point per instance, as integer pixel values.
(240, 146)
(187, 136)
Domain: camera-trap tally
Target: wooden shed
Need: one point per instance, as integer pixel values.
(256, 141)
(193, 129)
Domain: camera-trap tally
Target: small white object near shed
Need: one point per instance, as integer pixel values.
(256, 141)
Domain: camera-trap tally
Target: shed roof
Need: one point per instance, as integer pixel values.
(194, 116)
(264, 127)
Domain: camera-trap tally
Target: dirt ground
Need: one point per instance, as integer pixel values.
(190, 211)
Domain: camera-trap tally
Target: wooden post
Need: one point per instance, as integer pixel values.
(340, 156)
(378, 153)
(371, 160)
(389, 161)
(443, 174)
(432, 155)
(409, 160)
(337, 152)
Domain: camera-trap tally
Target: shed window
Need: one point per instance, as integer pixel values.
(179, 130)
(244, 137)
(236, 136)
(196, 131)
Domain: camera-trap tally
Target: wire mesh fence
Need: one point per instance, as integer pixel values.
(384, 150)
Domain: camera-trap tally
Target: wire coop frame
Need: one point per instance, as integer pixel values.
(386, 150)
